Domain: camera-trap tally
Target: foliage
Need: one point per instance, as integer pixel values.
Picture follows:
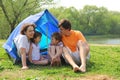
(114, 23)
(14, 11)
(91, 20)
(104, 61)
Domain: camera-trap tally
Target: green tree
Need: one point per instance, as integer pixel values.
(90, 19)
(93, 20)
(15, 11)
(114, 22)
(68, 13)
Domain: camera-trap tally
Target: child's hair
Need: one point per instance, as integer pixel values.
(57, 36)
(36, 34)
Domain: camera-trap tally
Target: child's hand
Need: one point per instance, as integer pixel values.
(54, 58)
(56, 61)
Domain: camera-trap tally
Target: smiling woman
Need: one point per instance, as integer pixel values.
(22, 42)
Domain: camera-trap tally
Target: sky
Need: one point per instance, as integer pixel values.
(112, 5)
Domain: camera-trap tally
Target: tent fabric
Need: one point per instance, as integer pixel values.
(45, 22)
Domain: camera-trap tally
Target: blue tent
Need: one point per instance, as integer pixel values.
(45, 22)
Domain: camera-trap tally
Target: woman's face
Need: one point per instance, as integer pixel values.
(30, 32)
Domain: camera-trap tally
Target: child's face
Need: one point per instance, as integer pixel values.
(37, 40)
(54, 41)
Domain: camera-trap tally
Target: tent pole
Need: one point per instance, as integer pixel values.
(47, 34)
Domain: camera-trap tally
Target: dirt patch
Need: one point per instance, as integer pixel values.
(12, 76)
(104, 45)
(97, 77)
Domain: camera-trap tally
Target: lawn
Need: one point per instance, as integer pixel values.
(104, 64)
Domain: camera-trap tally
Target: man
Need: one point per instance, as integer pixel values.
(76, 49)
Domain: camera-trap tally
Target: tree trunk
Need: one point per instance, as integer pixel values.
(5, 13)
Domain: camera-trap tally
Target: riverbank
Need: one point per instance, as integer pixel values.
(104, 39)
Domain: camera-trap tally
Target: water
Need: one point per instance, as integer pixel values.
(104, 41)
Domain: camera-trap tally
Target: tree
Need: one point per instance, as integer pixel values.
(16, 10)
(69, 13)
(94, 19)
(114, 22)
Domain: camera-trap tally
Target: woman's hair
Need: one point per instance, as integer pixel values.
(65, 24)
(25, 27)
(57, 36)
(36, 34)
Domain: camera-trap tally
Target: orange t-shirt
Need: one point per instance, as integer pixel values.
(71, 41)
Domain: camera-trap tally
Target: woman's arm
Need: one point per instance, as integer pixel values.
(23, 57)
(30, 53)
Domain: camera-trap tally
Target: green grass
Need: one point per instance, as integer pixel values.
(105, 61)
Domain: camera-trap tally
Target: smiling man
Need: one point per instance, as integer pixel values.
(76, 48)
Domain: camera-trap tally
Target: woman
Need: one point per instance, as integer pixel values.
(22, 42)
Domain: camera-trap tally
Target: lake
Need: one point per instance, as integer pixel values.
(103, 40)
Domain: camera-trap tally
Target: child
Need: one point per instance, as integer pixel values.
(55, 49)
(34, 52)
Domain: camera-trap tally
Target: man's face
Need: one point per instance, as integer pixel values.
(63, 31)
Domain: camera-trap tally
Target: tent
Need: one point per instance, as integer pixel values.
(45, 22)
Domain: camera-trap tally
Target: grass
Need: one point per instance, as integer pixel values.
(103, 65)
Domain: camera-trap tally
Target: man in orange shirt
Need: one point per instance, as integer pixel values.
(76, 48)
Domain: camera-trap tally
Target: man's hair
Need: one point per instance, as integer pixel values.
(65, 24)
(57, 36)
(25, 27)
(36, 34)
